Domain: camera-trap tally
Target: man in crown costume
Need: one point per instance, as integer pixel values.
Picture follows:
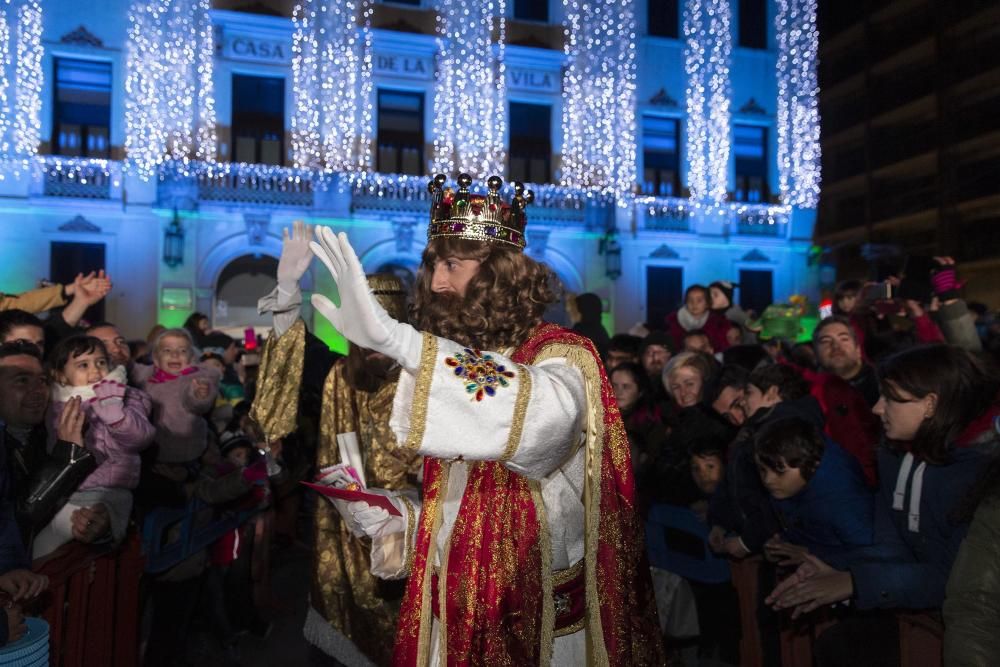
(351, 611)
(527, 548)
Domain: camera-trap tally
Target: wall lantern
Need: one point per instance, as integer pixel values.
(173, 242)
(612, 252)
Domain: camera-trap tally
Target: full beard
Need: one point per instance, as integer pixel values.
(448, 316)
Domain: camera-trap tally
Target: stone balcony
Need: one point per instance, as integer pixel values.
(681, 215)
(189, 186)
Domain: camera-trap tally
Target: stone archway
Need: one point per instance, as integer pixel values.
(224, 253)
(242, 282)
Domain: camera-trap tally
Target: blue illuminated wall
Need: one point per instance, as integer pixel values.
(96, 201)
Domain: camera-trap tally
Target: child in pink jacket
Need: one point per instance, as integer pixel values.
(182, 395)
(112, 422)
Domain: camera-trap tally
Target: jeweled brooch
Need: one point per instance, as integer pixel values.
(480, 373)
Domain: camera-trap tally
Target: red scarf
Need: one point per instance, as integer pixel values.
(494, 586)
(160, 375)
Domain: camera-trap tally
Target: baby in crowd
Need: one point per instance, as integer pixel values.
(92, 406)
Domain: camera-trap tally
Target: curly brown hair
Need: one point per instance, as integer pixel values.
(504, 301)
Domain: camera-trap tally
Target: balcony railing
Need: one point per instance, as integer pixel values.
(553, 204)
(79, 177)
(759, 220)
(668, 214)
(248, 184)
(373, 194)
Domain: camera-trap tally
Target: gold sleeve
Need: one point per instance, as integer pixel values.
(279, 378)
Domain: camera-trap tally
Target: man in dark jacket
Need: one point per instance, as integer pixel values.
(24, 396)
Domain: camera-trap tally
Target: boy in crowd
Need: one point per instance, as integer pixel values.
(818, 492)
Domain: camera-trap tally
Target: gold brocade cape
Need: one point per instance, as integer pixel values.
(354, 602)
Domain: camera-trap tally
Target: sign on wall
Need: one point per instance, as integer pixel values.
(254, 48)
(409, 67)
(533, 80)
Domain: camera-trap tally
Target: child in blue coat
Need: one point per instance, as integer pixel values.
(817, 490)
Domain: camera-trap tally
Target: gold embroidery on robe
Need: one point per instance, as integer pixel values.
(276, 404)
(352, 600)
(361, 606)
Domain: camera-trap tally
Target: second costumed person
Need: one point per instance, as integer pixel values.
(351, 611)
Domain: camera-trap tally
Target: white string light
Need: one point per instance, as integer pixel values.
(707, 52)
(169, 105)
(6, 110)
(470, 97)
(21, 80)
(598, 120)
(332, 85)
(799, 171)
(207, 138)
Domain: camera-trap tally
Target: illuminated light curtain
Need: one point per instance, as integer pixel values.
(169, 96)
(470, 94)
(21, 80)
(707, 54)
(598, 119)
(799, 171)
(332, 85)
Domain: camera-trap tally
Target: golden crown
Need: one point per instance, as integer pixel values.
(478, 217)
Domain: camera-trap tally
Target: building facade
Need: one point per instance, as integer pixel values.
(910, 144)
(668, 142)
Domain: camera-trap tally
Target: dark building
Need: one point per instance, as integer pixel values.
(911, 136)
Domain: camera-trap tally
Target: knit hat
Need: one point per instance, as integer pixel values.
(725, 287)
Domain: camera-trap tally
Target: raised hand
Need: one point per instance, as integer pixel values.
(200, 389)
(295, 255)
(92, 287)
(109, 401)
(71, 420)
(360, 317)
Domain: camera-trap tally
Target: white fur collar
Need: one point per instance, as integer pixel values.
(689, 321)
(63, 392)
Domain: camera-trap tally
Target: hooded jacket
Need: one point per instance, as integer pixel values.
(917, 535)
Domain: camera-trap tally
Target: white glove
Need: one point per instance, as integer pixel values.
(295, 256)
(376, 522)
(360, 318)
(336, 476)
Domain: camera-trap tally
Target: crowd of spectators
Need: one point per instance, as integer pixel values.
(857, 466)
(98, 433)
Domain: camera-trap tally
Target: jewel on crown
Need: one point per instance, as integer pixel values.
(477, 217)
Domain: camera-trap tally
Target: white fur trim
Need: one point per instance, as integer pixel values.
(63, 392)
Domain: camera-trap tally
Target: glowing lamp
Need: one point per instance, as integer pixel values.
(173, 243)
(612, 252)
